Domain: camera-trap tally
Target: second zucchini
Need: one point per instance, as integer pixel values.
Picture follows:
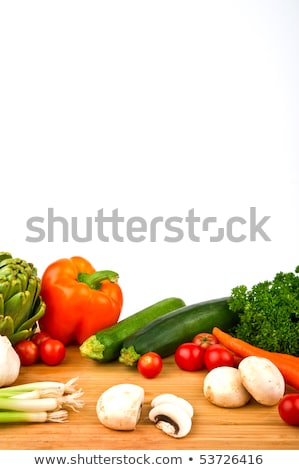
(163, 335)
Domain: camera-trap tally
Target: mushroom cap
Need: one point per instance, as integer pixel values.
(263, 380)
(171, 398)
(119, 407)
(223, 387)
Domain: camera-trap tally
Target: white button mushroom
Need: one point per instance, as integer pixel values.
(119, 407)
(223, 387)
(171, 419)
(262, 379)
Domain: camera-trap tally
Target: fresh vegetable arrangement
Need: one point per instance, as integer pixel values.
(80, 300)
(75, 305)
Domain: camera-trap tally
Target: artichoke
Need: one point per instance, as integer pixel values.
(21, 305)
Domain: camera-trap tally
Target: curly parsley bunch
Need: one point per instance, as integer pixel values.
(269, 313)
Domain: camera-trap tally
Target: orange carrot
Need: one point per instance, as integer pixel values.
(286, 363)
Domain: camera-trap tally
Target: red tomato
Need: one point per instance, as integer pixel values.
(150, 365)
(217, 356)
(27, 352)
(205, 340)
(288, 409)
(52, 351)
(39, 337)
(189, 356)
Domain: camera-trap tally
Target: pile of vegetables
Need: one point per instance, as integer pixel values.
(75, 304)
(156, 330)
(286, 363)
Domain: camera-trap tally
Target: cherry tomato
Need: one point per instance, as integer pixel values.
(150, 365)
(39, 337)
(217, 356)
(288, 409)
(27, 352)
(205, 340)
(189, 356)
(52, 351)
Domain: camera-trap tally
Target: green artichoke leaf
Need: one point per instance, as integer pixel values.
(37, 314)
(23, 278)
(1, 305)
(15, 307)
(15, 286)
(4, 288)
(20, 335)
(30, 300)
(4, 255)
(6, 326)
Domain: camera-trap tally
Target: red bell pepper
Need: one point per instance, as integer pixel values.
(79, 301)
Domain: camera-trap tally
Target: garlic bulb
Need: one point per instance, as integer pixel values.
(9, 363)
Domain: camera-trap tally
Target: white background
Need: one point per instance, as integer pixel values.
(154, 108)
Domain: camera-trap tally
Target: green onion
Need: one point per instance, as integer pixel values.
(46, 393)
(38, 417)
(38, 404)
(67, 387)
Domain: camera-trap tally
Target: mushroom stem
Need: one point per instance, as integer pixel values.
(166, 424)
(171, 419)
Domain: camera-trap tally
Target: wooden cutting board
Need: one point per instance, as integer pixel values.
(252, 427)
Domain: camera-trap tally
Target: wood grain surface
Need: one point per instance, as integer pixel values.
(252, 427)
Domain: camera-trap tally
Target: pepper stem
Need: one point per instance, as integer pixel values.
(94, 280)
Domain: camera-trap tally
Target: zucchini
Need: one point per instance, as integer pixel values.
(163, 335)
(105, 345)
